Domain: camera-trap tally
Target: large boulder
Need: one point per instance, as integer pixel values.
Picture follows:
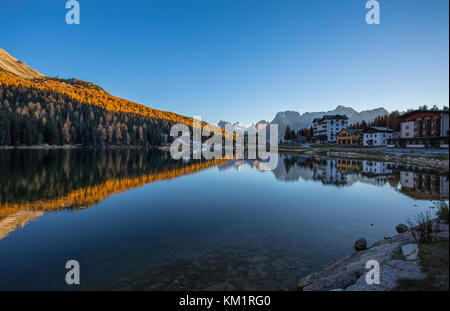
(410, 251)
(401, 228)
(361, 244)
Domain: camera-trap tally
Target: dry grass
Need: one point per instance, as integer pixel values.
(434, 262)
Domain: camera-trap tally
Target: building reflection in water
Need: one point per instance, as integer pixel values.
(414, 182)
(36, 181)
(424, 185)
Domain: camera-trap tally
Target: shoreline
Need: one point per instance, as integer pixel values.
(434, 161)
(396, 265)
(53, 147)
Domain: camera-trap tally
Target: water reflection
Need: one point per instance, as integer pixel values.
(418, 183)
(233, 226)
(34, 181)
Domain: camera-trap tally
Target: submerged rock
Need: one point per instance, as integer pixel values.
(401, 228)
(361, 244)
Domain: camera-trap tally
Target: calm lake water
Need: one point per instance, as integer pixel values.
(140, 220)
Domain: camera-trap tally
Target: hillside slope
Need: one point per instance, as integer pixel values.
(16, 67)
(37, 109)
(80, 91)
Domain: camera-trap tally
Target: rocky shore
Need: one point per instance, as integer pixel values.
(400, 261)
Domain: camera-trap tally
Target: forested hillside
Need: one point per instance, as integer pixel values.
(57, 112)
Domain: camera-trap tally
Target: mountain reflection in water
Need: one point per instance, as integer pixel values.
(35, 181)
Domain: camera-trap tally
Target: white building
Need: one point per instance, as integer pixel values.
(376, 168)
(376, 136)
(329, 126)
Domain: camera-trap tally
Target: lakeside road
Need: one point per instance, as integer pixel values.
(412, 151)
(430, 158)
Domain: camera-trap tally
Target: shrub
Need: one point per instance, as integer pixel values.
(441, 210)
(421, 227)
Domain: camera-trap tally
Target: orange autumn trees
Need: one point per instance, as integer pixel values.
(58, 111)
(85, 92)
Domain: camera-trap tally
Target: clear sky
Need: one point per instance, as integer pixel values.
(241, 60)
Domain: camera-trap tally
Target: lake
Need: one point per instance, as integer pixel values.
(139, 220)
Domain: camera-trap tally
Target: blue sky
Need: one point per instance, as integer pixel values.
(241, 60)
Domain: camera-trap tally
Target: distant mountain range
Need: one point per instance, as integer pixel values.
(297, 121)
(240, 128)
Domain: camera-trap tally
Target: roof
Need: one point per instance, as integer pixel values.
(377, 129)
(334, 116)
(351, 131)
(407, 114)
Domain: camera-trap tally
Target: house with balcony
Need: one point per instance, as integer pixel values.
(316, 126)
(328, 127)
(349, 137)
(423, 129)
